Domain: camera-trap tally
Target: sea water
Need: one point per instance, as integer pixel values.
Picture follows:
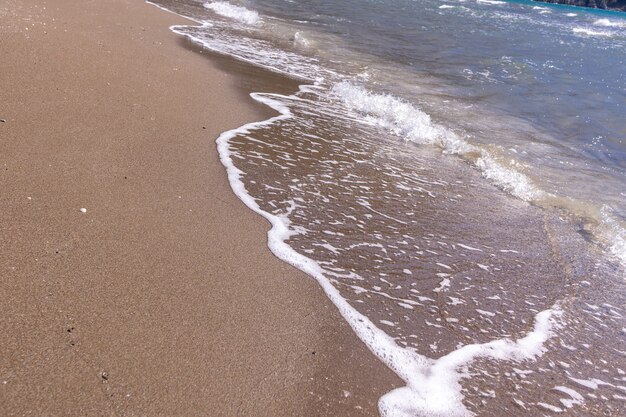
(453, 175)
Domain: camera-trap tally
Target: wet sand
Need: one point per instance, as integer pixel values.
(161, 298)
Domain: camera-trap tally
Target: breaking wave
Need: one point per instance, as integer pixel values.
(405, 120)
(238, 13)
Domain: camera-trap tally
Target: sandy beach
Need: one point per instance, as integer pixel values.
(134, 282)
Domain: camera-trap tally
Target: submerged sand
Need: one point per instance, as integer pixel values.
(161, 297)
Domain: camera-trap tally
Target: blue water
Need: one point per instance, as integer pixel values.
(541, 84)
(537, 83)
(562, 74)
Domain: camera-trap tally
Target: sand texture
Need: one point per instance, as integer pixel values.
(161, 297)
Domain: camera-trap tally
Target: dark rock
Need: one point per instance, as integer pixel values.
(619, 5)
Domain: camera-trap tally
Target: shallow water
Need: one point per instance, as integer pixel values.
(452, 173)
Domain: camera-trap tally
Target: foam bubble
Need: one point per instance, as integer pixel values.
(542, 10)
(609, 23)
(433, 386)
(574, 397)
(256, 52)
(470, 248)
(508, 179)
(300, 40)
(614, 233)
(241, 14)
(399, 117)
(591, 32)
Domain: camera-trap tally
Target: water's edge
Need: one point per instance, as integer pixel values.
(433, 386)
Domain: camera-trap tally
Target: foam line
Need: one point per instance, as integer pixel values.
(169, 11)
(433, 387)
(410, 123)
(238, 13)
(610, 23)
(591, 32)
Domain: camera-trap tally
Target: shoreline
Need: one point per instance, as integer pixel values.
(288, 196)
(134, 306)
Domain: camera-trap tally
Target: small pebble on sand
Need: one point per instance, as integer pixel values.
(83, 210)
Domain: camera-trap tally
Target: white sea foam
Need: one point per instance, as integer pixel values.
(300, 40)
(407, 121)
(471, 248)
(397, 116)
(262, 53)
(591, 32)
(490, 2)
(241, 14)
(259, 53)
(574, 397)
(169, 11)
(508, 179)
(609, 23)
(445, 283)
(446, 6)
(592, 383)
(549, 407)
(433, 386)
(542, 10)
(614, 233)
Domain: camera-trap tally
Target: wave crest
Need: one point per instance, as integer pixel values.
(609, 23)
(591, 32)
(239, 13)
(407, 121)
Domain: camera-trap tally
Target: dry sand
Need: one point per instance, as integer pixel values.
(162, 298)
